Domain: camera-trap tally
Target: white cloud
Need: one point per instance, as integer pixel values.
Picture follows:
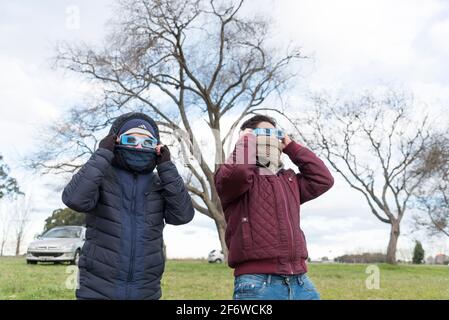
(355, 43)
(439, 33)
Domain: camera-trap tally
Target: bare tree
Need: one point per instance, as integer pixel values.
(9, 188)
(5, 230)
(433, 197)
(21, 220)
(179, 61)
(374, 143)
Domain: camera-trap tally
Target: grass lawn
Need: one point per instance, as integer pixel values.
(195, 279)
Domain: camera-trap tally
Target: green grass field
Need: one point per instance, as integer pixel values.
(195, 279)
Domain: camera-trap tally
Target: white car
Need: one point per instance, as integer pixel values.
(215, 256)
(60, 244)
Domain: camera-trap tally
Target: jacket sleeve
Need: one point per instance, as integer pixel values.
(235, 176)
(314, 178)
(82, 192)
(178, 204)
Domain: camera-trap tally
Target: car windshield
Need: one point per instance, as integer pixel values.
(63, 233)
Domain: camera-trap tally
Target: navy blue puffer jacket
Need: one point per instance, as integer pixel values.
(122, 257)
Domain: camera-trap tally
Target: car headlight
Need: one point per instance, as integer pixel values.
(67, 248)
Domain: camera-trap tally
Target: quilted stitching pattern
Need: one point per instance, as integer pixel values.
(257, 226)
(262, 216)
(105, 193)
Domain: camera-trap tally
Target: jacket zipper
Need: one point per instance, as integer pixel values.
(133, 229)
(290, 245)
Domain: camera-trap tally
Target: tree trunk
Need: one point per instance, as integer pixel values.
(392, 244)
(18, 246)
(19, 242)
(221, 227)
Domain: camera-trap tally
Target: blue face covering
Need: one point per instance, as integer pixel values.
(135, 160)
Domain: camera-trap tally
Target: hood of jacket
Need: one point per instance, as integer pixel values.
(120, 121)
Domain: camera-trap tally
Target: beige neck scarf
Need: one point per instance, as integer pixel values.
(269, 151)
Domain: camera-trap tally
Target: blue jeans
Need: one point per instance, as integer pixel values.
(274, 287)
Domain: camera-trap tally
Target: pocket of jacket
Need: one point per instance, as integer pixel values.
(89, 256)
(154, 208)
(304, 252)
(246, 233)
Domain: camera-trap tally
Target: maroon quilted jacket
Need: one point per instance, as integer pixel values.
(263, 232)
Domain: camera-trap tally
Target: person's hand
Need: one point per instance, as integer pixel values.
(246, 131)
(286, 141)
(108, 142)
(163, 154)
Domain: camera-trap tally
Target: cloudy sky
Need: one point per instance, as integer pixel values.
(353, 44)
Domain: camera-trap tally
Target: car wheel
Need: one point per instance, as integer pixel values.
(218, 261)
(31, 262)
(76, 258)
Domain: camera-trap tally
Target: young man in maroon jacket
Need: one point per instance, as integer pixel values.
(261, 201)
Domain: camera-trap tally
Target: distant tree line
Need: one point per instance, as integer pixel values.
(65, 217)
(362, 258)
